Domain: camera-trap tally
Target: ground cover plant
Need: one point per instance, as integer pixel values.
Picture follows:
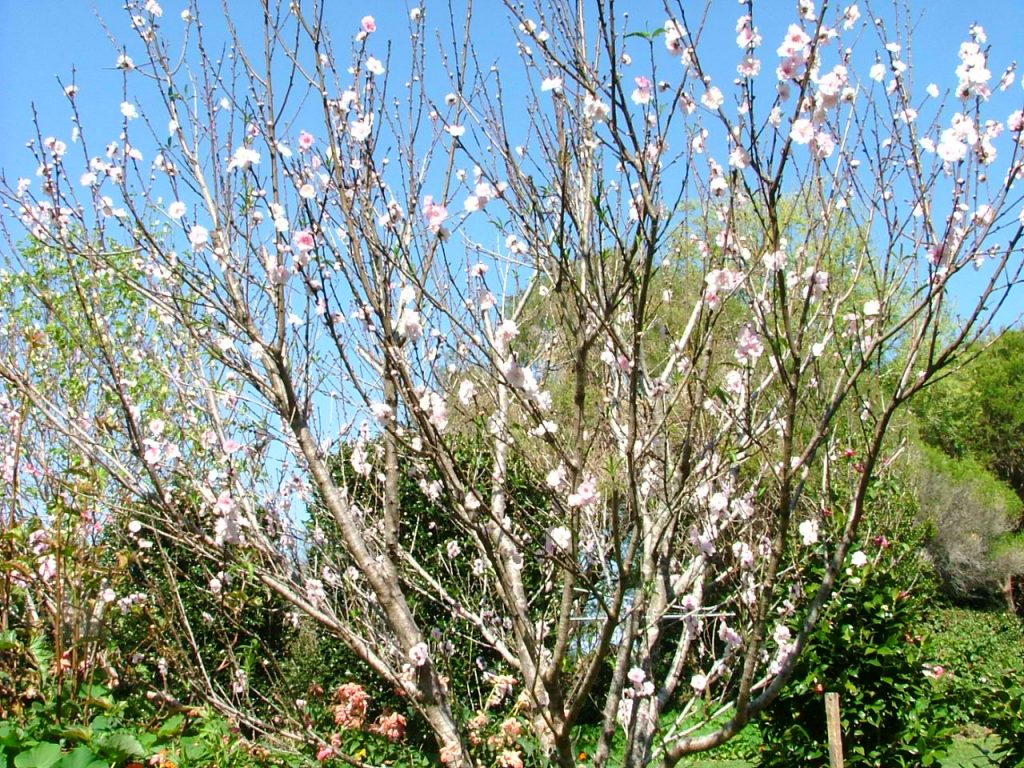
(550, 406)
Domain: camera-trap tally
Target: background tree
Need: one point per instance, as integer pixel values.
(973, 422)
(979, 412)
(332, 260)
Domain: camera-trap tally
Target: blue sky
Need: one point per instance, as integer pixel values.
(43, 40)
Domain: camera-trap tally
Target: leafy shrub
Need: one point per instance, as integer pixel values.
(981, 653)
(869, 647)
(94, 729)
(975, 648)
(1004, 714)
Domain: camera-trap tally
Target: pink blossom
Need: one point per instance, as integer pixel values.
(306, 141)
(795, 45)
(360, 129)
(419, 654)
(450, 753)
(467, 391)
(410, 324)
(749, 66)
(303, 240)
(704, 540)
(153, 452)
(505, 332)
(198, 236)
(674, 35)
(712, 98)
(747, 36)
(47, 568)
(951, 147)
(482, 195)
(823, 145)
(809, 532)
(819, 282)
(382, 412)
(519, 376)
(748, 345)
(644, 90)
(734, 383)
(595, 109)
(243, 158)
(729, 635)
(720, 282)
(368, 25)
(436, 409)
(802, 131)
(739, 158)
(434, 213)
(850, 16)
(561, 538)
(586, 494)
(224, 505)
(556, 477)
(973, 72)
(774, 260)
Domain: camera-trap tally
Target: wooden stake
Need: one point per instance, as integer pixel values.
(835, 731)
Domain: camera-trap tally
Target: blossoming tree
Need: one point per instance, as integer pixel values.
(691, 308)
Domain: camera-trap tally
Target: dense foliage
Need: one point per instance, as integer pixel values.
(979, 412)
(873, 649)
(981, 654)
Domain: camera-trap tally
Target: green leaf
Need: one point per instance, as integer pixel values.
(102, 723)
(172, 726)
(82, 757)
(78, 733)
(8, 640)
(121, 745)
(10, 735)
(43, 755)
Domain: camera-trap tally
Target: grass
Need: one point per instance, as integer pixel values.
(970, 752)
(965, 753)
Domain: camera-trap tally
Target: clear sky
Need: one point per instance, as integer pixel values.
(43, 40)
